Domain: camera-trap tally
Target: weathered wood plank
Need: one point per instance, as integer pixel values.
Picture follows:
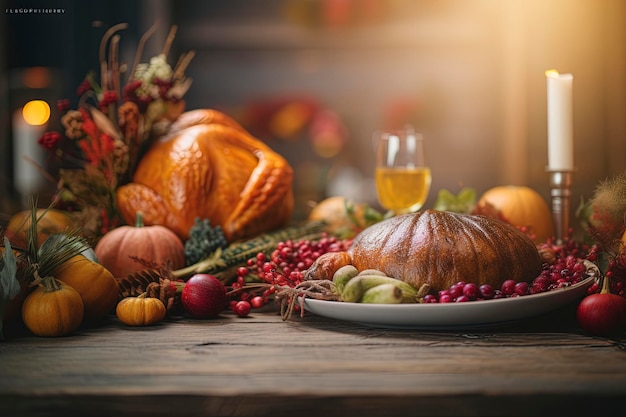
(264, 366)
(194, 406)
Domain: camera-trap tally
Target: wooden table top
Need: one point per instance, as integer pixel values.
(264, 366)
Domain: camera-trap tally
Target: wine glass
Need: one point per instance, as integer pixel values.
(402, 177)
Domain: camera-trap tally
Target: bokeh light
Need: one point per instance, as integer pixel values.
(36, 112)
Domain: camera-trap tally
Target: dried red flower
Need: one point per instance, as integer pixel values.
(97, 145)
(100, 158)
(109, 97)
(83, 87)
(164, 86)
(129, 92)
(63, 105)
(49, 140)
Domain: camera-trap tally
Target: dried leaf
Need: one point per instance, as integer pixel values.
(180, 89)
(88, 184)
(104, 123)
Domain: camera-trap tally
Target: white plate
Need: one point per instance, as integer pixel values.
(484, 313)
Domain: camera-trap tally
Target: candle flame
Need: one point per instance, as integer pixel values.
(555, 74)
(36, 112)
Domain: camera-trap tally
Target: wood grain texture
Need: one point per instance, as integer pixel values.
(264, 366)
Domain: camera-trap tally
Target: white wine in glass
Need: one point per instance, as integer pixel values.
(402, 177)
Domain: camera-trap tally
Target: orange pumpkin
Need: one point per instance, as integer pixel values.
(140, 311)
(95, 284)
(156, 244)
(49, 221)
(522, 207)
(52, 309)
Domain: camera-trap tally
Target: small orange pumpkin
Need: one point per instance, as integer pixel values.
(140, 311)
(52, 309)
(49, 221)
(522, 207)
(156, 244)
(95, 284)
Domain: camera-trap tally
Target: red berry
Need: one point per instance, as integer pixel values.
(486, 291)
(445, 298)
(456, 290)
(257, 302)
(242, 308)
(521, 288)
(508, 287)
(471, 291)
(429, 298)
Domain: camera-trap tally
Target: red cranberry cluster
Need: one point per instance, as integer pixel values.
(616, 273)
(565, 268)
(286, 265)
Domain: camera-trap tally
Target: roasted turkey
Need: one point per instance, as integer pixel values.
(208, 166)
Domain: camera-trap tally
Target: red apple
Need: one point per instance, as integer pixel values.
(602, 314)
(204, 296)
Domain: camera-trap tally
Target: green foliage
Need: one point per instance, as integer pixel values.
(463, 202)
(239, 252)
(204, 240)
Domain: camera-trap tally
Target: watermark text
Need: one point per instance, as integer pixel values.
(34, 11)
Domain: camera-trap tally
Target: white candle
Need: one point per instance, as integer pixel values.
(28, 155)
(560, 123)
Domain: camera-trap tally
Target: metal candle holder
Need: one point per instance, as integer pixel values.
(560, 193)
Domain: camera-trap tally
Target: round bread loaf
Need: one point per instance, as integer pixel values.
(441, 248)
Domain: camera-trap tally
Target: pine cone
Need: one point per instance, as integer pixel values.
(156, 282)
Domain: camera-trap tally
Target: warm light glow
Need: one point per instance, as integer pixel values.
(36, 112)
(552, 73)
(37, 77)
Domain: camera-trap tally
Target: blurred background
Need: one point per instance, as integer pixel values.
(315, 78)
